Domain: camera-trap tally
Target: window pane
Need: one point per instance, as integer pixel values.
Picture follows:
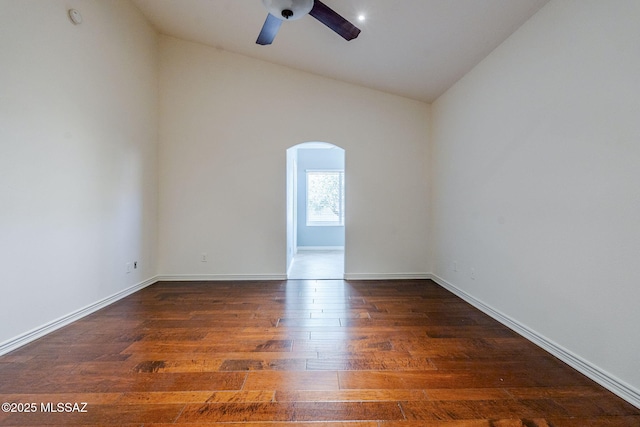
(325, 197)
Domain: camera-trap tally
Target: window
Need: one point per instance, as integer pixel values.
(325, 197)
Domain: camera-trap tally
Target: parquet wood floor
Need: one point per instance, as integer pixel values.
(298, 353)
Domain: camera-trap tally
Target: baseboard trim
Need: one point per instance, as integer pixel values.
(219, 277)
(47, 328)
(386, 276)
(320, 248)
(608, 381)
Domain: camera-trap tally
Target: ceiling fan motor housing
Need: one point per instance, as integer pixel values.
(289, 10)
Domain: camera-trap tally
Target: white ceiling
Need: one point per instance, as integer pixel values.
(413, 48)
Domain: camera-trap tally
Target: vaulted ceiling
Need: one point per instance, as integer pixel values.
(413, 48)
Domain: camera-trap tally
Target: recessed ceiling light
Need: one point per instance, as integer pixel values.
(361, 18)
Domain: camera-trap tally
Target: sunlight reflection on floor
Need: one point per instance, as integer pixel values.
(322, 264)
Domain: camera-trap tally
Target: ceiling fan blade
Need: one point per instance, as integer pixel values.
(269, 30)
(331, 19)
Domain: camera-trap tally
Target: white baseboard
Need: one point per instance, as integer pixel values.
(319, 248)
(49, 327)
(218, 277)
(608, 381)
(386, 276)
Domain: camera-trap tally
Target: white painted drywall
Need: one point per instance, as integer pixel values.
(226, 122)
(78, 157)
(292, 208)
(536, 166)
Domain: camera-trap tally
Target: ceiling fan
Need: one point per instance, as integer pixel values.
(290, 10)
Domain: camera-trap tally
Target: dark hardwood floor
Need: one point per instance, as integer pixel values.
(300, 353)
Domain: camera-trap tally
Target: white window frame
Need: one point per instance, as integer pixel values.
(315, 223)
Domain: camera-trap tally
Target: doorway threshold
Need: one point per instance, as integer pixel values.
(318, 264)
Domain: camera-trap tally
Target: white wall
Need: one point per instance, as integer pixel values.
(78, 132)
(226, 122)
(536, 165)
(292, 205)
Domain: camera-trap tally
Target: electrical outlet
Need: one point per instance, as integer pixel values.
(455, 266)
(203, 257)
(473, 274)
(128, 267)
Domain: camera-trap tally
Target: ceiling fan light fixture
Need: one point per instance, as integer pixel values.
(289, 10)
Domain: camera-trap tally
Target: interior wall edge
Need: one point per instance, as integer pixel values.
(593, 372)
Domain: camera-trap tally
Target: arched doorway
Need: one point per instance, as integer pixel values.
(315, 211)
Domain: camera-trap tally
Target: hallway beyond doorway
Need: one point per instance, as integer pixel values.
(318, 264)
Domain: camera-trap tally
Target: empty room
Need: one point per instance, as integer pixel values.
(166, 165)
